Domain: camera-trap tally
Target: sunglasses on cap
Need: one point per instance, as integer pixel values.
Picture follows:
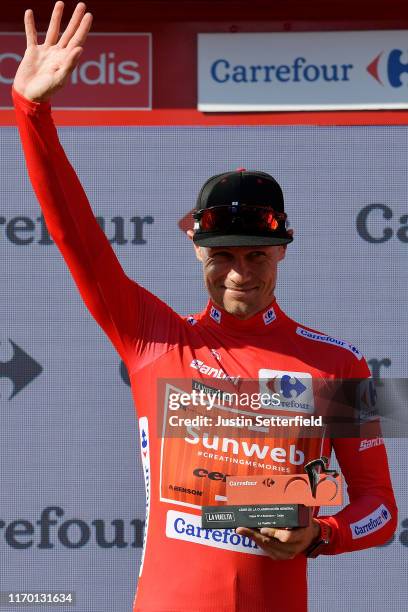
(247, 217)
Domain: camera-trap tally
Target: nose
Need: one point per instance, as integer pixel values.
(240, 271)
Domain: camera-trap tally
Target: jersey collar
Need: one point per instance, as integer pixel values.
(259, 323)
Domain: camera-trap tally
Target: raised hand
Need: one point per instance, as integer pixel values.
(45, 68)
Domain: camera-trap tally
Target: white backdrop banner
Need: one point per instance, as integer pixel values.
(72, 509)
(302, 71)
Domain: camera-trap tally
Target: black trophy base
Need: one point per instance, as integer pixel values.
(256, 516)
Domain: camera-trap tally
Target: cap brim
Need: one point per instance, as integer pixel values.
(231, 240)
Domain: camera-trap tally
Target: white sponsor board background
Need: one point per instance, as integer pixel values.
(69, 436)
(302, 70)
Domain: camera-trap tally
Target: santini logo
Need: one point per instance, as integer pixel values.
(365, 444)
(199, 365)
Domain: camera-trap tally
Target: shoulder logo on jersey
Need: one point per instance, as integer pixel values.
(295, 389)
(269, 316)
(191, 320)
(145, 452)
(215, 314)
(306, 333)
(371, 443)
(370, 523)
(366, 400)
(187, 527)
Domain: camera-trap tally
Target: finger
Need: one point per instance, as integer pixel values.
(275, 549)
(70, 62)
(55, 22)
(73, 24)
(283, 535)
(268, 531)
(257, 537)
(29, 25)
(82, 32)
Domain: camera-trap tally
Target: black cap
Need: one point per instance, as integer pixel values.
(249, 187)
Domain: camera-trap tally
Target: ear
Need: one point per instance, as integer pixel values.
(197, 249)
(283, 247)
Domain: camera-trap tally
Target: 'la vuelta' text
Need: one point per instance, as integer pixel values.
(51, 530)
(23, 230)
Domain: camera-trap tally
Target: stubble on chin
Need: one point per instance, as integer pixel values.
(241, 310)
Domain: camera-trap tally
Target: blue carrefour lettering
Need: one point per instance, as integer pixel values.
(176, 525)
(223, 71)
(227, 536)
(214, 68)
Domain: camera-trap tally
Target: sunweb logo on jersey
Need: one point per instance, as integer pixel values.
(388, 68)
(295, 389)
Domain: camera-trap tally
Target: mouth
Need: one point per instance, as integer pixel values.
(240, 290)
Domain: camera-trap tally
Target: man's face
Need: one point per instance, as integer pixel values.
(241, 280)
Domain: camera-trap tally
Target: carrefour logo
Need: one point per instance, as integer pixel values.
(143, 438)
(295, 389)
(291, 386)
(390, 66)
(187, 527)
(299, 69)
(19, 368)
(370, 523)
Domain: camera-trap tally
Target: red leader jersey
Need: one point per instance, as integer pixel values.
(185, 567)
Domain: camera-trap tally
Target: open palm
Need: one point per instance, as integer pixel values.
(45, 68)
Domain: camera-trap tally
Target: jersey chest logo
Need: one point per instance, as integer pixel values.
(295, 389)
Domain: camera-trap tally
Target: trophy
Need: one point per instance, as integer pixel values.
(283, 501)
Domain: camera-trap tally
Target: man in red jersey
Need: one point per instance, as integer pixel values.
(240, 237)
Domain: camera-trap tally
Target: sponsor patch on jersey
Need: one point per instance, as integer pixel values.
(370, 443)
(295, 389)
(191, 320)
(215, 354)
(187, 527)
(366, 401)
(370, 523)
(198, 364)
(269, 316)
(215, 314)
(145, 453)
(306, 333)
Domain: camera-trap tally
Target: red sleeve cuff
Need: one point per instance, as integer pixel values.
(331, 522)
(30, 107)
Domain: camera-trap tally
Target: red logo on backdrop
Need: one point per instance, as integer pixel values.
(114, 72)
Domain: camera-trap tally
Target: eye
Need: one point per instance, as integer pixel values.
(257, 254)
(220, 255)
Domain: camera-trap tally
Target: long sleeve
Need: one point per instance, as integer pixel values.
(370, 518)
(126, 311)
